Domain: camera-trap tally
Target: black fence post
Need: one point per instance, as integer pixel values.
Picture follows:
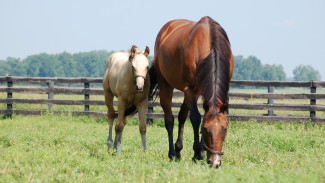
(9, 96)
(312, 101)
(86, 87)
(50, 95)
(270, 89)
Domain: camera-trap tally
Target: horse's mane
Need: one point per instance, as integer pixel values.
(213, 72)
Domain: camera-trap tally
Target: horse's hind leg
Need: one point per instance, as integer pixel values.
(182, 115)
(142, 110)
(110, 115)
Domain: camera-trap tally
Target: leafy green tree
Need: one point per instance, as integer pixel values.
(48, 66)
(17, 67)
(305, 73)
(12, 66)
(247, 69)
(67, 65)
(273, 73)
(4, 68)
(34, 63)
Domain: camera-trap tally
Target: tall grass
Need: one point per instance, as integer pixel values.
(52, 148)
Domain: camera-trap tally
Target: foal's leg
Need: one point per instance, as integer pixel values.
(121, 122)
(142, 110)
(182, 115)
(110, 115)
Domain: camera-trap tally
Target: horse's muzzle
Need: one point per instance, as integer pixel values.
(215, 162)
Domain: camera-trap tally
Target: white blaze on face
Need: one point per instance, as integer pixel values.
(139, 83)
(140, 65)
(217, 161)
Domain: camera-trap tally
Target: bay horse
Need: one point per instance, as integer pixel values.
(195, 58)
(126, 78)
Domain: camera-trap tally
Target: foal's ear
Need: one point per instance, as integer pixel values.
(147, 51)
(132, 52)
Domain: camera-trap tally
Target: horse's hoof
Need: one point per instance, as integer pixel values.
(109, 144)
(171, 158)
(178, 157)
(196, 161)
(199, 158)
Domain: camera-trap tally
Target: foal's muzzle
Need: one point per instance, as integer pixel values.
(139, 83)
(139, 89)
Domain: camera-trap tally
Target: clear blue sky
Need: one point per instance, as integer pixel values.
(287, 32)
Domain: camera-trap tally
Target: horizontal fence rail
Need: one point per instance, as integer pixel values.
(86, 87)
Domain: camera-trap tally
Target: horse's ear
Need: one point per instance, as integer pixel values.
(147, 51)
(132, 52)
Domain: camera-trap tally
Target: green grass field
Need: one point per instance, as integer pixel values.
(52, 148)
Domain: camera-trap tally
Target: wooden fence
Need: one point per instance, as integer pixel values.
(92, 87)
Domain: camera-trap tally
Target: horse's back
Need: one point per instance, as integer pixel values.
(116, 61)
(114, 65)
(180, 45)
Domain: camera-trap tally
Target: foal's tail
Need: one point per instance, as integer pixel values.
(152, 93)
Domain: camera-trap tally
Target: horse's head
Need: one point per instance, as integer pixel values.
(140, 66)
(214, 130)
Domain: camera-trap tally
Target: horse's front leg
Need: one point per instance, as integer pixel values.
(166, 94)
(195, 118)
(121, 122)
(142, 110)
(182, 115)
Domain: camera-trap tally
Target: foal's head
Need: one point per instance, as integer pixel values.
(140, 66)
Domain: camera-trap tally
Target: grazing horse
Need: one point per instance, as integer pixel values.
(195, 58)
(126, 78)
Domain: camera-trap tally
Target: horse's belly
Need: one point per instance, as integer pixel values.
(175, 82)
(173, 73)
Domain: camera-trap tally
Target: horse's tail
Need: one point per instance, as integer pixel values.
(152, 93)
(213, 72)
(153, 83)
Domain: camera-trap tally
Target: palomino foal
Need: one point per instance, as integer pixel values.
(126, 78)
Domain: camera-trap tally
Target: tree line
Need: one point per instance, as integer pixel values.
(92, 63)
(83, 64)
(251, 68)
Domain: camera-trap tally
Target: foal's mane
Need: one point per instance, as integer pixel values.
(213, 72)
